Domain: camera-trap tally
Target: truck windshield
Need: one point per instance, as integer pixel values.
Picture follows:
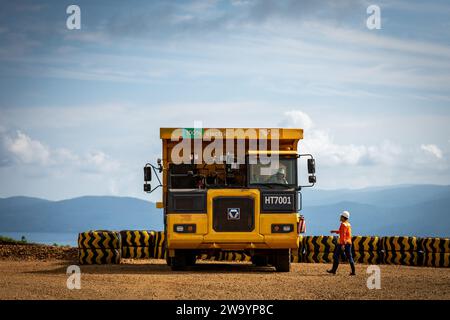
(265, 174)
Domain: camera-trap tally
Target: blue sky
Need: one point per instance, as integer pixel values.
(80, 110)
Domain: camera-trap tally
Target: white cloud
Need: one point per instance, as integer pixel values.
(101, 162)
(329, 153)
(432, 149)
(27, 150)
(21, 149)
(297, 119)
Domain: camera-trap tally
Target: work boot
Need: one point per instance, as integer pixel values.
(334, 268)
(353, 273)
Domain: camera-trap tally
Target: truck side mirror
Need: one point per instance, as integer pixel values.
(311, 166)
(147, 173)
(147, 187)
(159, 162)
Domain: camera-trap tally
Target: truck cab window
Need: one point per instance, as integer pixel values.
(266, 174)
(202, 176)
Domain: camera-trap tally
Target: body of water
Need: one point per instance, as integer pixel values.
(45, 237)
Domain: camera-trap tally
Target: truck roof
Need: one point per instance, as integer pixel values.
(234, 133)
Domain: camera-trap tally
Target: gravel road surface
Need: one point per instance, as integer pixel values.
(152, 279)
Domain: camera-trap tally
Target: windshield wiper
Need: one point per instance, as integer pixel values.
(262, 184)
(281, 184)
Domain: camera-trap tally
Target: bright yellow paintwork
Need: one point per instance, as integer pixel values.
(205, 237)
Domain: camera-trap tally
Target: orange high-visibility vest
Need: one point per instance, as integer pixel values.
(345, 233)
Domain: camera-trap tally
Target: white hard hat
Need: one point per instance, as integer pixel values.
(345, 214)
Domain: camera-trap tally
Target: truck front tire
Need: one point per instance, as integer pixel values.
(282, 260)
(191, 258)
(260, 261)
(178, 262)
(182, 259)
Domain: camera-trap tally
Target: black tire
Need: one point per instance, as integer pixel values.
(191, 259)
(99, 256)
(99, 239)
(283, 261)
(179, 262)
(260, 261)
(137, 238)
(136, 253)
(168, 260)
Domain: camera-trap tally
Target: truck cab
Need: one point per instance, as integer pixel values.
(230, 190)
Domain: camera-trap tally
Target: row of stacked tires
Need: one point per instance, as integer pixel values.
(143, 244)
(108, 247)
(316, 249)
(105, 247)
(411, 251)
(436, 252)
(226, 256)
(99, 247)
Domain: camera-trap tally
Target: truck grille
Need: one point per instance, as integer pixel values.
(233, 214)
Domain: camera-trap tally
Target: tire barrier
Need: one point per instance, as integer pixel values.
(137, 238)
(99, 247)
(365, 243)
(209, 257)
(441, 260)
(434, 245)
(159, 246)
(318, 257)
(367, 257)
(403, 244)
(226, 256)
(298, 255)
(320, 243)
(435, 252)
(366, 249)
(318, 249)
(136, 253)
(99, 256)
(400, 250)
(102, 247)
(137, 244)
(99, 240)
(401, 258)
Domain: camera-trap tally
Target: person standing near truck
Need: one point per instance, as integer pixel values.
(344, 244)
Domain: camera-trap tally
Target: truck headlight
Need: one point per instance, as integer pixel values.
(282, 228)
(184, 228)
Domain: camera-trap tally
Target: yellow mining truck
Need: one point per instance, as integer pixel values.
(230, 189)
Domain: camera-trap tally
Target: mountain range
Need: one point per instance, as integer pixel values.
(420, 210)
(27, 214)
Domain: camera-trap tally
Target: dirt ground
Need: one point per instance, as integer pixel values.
(152, 279)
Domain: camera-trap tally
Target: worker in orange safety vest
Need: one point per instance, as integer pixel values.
(344, 244)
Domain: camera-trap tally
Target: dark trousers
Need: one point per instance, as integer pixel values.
(338, 252)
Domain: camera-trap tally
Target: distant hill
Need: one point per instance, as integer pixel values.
(78, 214)
(421, 210)
(399, 210)
(392, 196)
(426, 219)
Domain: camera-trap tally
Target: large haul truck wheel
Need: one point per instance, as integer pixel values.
(191, 258)
(182, 259)
(260, 261)
(282, 260)
(168, 260)
(178, 262)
